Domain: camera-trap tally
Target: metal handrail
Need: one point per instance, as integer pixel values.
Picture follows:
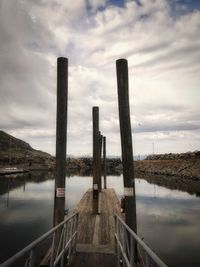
(125, 237)
(31, 247)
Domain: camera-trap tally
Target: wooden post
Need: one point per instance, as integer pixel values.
(61, 136)
(126, 145)
(100, 161)
(104, 162)
(95, 116)
(10, 153)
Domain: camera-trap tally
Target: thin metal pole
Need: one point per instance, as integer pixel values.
(52, 250)
(95, 116)
(104, 162)
(61, 140)
(126, 144)
(32, 258)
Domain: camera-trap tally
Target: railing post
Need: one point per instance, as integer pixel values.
(32, 258)
(95, 115)
(126, 145)
(147, 260)
(116, 241)
(63, 246)
(131, 251)
(73, 231)
(70, 245)
(68, 238)
(52, 250)
(104, 162)
(75, 240)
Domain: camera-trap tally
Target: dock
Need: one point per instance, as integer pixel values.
(95, 239)
(11, 170)
(88, 239)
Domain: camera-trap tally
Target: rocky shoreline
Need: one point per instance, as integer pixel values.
(185, 165)
(17, 153)
(187, 168)
(84, 164)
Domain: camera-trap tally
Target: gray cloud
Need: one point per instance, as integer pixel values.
(163, 128)
(163, 53)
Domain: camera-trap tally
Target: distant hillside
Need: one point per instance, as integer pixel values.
(16, 151)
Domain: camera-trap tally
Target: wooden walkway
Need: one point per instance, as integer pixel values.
(95, 240)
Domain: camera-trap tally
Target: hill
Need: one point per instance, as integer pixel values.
(15, 151)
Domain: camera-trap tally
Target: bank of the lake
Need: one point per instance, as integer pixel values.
(185, 166)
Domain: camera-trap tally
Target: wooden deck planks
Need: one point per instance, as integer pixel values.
(97, 229)
(94, 259)
(95, 240)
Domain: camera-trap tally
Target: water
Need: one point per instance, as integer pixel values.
(168, 219)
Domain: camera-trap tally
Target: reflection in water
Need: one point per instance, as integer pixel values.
(173, 182)
(24, 187)
(169, 223)
(168, 220)
(8, 193)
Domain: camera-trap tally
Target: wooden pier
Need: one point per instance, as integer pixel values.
(95, 240)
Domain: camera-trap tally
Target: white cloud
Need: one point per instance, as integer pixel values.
(163, 52)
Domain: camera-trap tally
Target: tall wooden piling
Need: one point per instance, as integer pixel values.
(95, 116)
(100, 160)
(104, 162)
(61, 138)
(10, 152)
(126, 144)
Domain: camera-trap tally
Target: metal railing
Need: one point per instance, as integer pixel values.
(130, 248)
(61, 250)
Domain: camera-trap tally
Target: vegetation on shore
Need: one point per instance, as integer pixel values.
(14, 151)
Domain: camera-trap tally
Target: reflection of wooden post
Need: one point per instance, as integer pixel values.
(104, 162)
(100, 161)
(126, 145)
(61, 132)
(95, 116)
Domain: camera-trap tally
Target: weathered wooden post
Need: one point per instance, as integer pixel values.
(126, 145)
(104, 162)
(10, 153)
(61, 136)
(95, 116)
(100, 160)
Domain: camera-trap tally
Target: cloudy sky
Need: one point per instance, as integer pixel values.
(160, 39)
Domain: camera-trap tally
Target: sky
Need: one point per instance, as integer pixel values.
(159, 38)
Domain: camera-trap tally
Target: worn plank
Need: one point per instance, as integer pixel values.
(97, 229)
(95, 240)
(94, 259)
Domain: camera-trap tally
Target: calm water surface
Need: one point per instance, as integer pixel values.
(168, 220)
